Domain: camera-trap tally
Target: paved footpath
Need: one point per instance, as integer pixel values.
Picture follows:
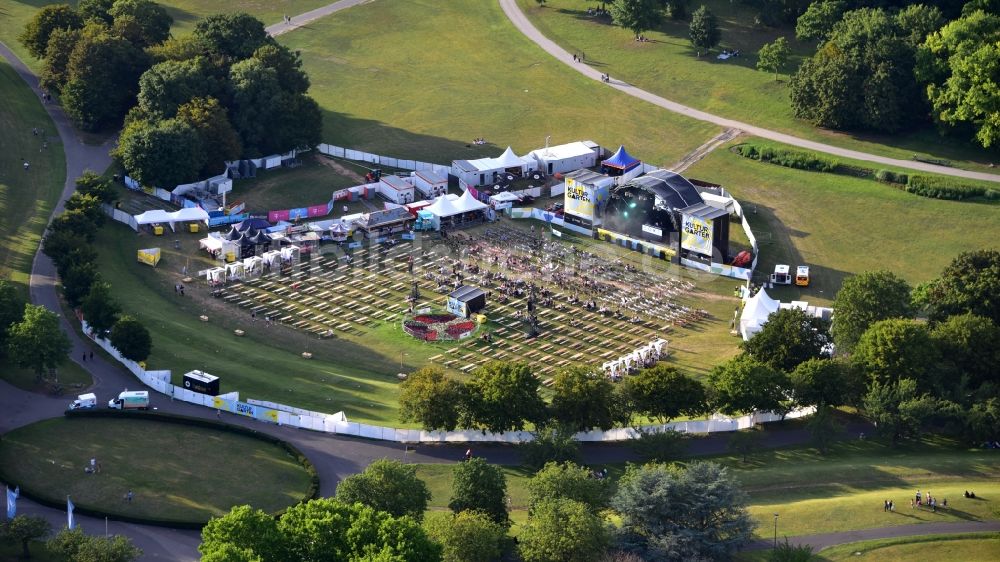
(520, 21)
(333, 456)
(832, 539)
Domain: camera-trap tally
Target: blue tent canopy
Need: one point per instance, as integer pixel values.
(257, 224)
(621, 160)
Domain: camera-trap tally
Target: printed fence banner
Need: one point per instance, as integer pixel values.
(275, 216)
(296, 214)
(318, 210)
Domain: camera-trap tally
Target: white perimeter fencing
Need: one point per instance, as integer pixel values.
(388, 161)
(338, 424)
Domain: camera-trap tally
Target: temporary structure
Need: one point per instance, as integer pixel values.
(188, 214)
(755, 313)
(504, 200)
(467, 203)
(620, 162)
(566, 157)
(481, 171)
(149, 256)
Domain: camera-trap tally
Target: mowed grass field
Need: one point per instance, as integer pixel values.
(176, 472)
(421, 79)
(970, 547)
(667, 65)
(26, 196)
(841, 225)
(812, 494)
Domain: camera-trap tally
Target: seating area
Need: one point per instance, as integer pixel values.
(579, 319)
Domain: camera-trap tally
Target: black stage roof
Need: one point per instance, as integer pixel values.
(673, 188)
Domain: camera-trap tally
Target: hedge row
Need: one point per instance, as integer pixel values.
(934, 187)
(787, 158)
(312, 493)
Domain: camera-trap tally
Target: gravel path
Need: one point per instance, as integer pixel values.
(520, 21)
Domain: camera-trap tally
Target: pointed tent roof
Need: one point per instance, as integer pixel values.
(621, 159)
(755, 313)
(509, 160)
(467, 203)
(257, 223)
(443, 207)
(233, 234)
(338, 227)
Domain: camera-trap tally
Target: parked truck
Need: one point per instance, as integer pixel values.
(84, 401)
(130, 400)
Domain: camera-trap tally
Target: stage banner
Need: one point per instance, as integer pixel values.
(696, 235)
(579, 199)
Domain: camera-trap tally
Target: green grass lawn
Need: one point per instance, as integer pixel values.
(667, 65)
(172, 469)
(971, 547)
(819, 494)
(421, 80)
(841, 225)
(312, 183)
(70, 376)
(10, 551)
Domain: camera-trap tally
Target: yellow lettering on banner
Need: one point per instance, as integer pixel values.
(272, 415)
(217, 402)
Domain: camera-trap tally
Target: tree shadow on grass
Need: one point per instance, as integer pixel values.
(380, 138)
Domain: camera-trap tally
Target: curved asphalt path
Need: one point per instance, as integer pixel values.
(333, 456)
(520, 21)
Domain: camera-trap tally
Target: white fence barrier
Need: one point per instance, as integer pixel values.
(387, 161)
(337, 423)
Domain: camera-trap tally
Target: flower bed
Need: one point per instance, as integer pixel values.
(434, 327)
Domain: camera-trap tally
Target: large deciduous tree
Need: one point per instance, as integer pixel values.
(970, 283)
(161, 153)
(664, 393)
(697, 512)
(102, 78)
(567, 481)
(818, 20)
(861, 77)
(208, 118)
(430, 398)
(826, 382)
(36, 33)
(865, 299)
(897, 409)
(958, 65)
(895, 349)
(37, 341)
(11, 310)
(24, 529)
(55, 66)
(972, 344)
(789, 337)
(467, 536)
(100, 308)
(77, 545)
(503, 396)
(234, 36)
(562, 530)
(480, 486)
(704, 30)
(582, 399)
(170, 84)
(141, 22)
(744, 385)
(773, 56)
(636, 16)
(387, 485)
(131, 338)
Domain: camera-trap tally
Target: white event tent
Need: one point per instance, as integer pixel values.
(188, 214)
(755, 312)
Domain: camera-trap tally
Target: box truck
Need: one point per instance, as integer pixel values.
(130, 400)
(84, 401)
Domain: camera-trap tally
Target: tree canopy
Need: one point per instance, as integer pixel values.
(561, 530)
(745, 385)
(636, 16)
(970, 283)
(567, 481)
(664, 393)
(704, 30)
(789, 337)
(583, 399)
(467, 536)
(773, 56)
(826, 382)
(660, 521)
(37, 341)
(429, 397)
(865, 299)
(503, 396)
(131, 338)
(36, 33)
(387, 485)
(480, 486)
(895, 349)
(321, 529)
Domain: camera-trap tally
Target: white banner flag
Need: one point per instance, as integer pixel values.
(69, 514)
(12, 501)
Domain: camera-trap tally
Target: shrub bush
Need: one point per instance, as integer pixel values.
(888, 176)
(788, 158)
(946, 188)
